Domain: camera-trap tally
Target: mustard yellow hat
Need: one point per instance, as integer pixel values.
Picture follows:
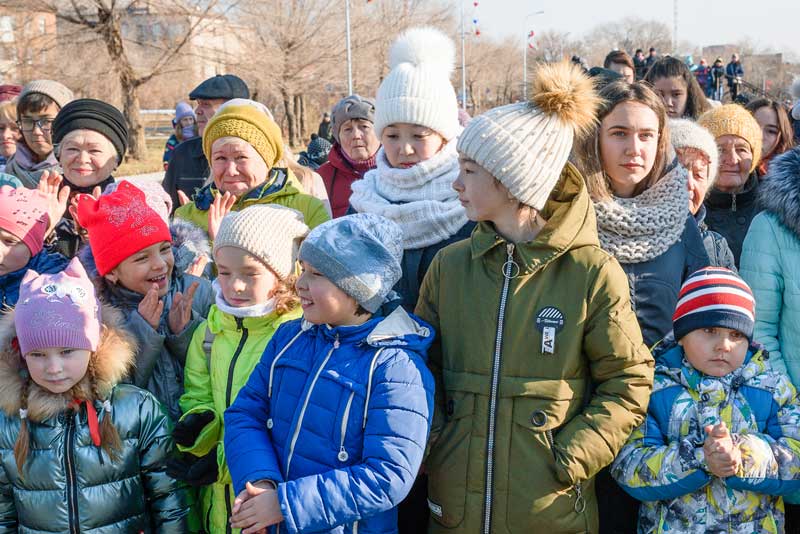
(249, 124)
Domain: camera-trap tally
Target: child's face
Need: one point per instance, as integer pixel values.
(39, 139)
(57, 369)
(408, 144)
(186, 121)
(151, 266)
(483, 198)
(674, 94)
(244, 280)
(14, 254)
(323, 302)
(9, 136)
(715, 351)
(87, 157)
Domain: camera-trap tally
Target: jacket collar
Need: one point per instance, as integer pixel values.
(779, 193)
(277, 181)
(719, 200)
(570, 224)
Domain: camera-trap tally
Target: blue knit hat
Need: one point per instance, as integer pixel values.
(360, 254)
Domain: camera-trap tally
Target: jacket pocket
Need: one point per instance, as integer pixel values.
(448, 462)
(536, 497)
(347, 427)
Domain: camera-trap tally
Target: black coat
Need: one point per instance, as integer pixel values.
(188, 170)
(730, 214)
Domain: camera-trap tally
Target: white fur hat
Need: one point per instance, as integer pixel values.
(684, 133)
(418, 88)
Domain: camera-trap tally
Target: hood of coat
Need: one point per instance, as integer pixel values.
(780, 191)
(395, 329)
(188, 242)
(571, 224)
(113, 360)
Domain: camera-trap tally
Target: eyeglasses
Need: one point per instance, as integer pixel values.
(28, 125)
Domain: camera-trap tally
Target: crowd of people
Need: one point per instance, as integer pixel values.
(575, 313)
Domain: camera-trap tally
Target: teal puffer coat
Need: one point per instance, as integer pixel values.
(67, 484)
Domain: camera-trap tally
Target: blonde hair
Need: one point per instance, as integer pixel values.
(8, 111)
(285, 295)
(587, 151)
(303, 173)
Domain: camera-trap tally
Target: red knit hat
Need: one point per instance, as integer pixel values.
(120, 224)
(23, 212)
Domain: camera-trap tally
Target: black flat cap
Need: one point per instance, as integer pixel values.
(225, 86)
(91, 114)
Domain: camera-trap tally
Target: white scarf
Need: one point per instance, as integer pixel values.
(256, 310)
(420, 199)
(641, 228)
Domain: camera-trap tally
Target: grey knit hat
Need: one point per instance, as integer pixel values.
(59, 93)
(351, 107)
(368, 266)
(684, 133)
(269, 232)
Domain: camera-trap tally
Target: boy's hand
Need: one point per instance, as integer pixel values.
(255, 509)
(57, 197)
(151, 307)
(722, 455)
(181, 312)
(198, 266)
(219, 208)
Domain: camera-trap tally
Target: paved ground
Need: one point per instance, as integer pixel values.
(154, 176)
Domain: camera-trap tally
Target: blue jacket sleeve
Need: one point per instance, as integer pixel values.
(398, 421)
(248, 446)
(771, 460)
(649, 467)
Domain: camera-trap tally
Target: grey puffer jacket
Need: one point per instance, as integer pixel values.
(67, 483)
(162, 354)
(719, 253)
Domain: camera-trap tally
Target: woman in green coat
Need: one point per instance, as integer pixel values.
(541, 369)
(255, 253)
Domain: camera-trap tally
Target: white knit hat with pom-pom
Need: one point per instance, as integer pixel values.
(418, 88)
(526, 145)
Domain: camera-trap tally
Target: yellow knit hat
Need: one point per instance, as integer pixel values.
(249, 124)
(733, 119)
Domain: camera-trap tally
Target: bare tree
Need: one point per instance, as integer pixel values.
(104, 21)
(627, 34)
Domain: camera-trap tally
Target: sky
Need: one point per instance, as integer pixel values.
(774, 23)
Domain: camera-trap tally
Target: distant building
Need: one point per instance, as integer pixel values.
(27, 43)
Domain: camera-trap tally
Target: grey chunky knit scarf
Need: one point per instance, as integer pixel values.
(641, 228)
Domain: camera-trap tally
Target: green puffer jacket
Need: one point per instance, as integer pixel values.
(280, 188)
(70, 485)
(237, 347)
(541, 376)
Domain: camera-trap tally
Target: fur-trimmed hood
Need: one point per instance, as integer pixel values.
(113, 360)
(188, 242)
(780, 191)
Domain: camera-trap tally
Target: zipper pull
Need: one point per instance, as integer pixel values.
(733, 202)
(342, 456)
(336, 342)
(580, 502)
(510, 267)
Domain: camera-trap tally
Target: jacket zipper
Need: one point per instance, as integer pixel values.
(508, 267)
(305, 405)
(343, 456)
(580, 502)
(228, 391)
(72, 485)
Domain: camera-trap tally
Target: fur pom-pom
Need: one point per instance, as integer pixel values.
(424, 45)
(564, 90)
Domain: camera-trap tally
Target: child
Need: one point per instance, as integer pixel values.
(24, 220)
(131, 259)
(720, 443)
(37, 107)
(80, 452)
(416, 120)
(255, 253)
(678, 88)
(341, 401)
(185, 127)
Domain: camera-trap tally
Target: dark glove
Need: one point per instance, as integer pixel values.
(187, 429)
(194, 471)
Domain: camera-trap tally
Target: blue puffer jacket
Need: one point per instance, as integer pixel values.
(339, 418)
(43, 263)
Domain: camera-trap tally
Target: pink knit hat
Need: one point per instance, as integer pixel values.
(57, 310)
(23, 212)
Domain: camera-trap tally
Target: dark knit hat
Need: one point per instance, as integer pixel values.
(96, 115)
(318, 150)
(714, 297)
(351, 107)
(225, 86)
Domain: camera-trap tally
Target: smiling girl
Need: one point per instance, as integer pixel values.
(79, 450)
(255, 252)
(132, 260)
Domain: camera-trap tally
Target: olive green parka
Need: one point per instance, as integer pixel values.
(541, 373)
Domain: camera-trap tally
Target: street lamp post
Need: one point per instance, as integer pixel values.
(525, 54)
(349, 55)
(463, 61)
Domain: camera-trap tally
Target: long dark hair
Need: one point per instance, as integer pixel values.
(786, 137)
(670, 67)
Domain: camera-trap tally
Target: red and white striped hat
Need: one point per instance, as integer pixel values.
(714, 296)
